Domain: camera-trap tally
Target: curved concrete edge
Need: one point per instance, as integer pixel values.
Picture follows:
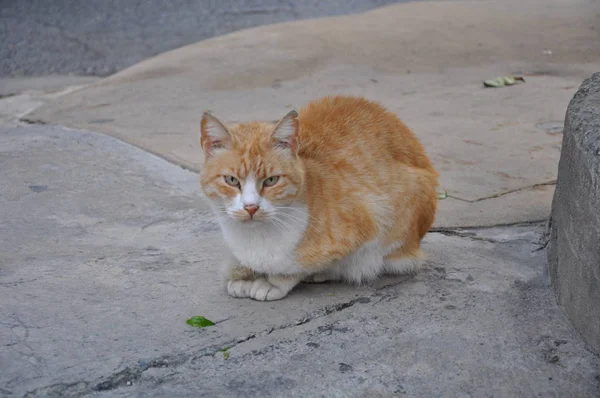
(10, 86)
(485, 143)
(574, 246)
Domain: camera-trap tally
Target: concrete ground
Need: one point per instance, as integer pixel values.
(65, 37)
(497, 149)
(107, 248)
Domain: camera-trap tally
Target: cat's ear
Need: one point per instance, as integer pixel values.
(286, 131)
(213, 134)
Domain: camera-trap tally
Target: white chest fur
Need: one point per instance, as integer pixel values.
(268, 247)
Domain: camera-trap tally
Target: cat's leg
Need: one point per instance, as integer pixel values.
(405, 260)
(240, 283)
(239, 278)
(245, 283)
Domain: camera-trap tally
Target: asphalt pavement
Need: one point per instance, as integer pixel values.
(98, 38)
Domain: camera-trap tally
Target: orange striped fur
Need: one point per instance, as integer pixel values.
(352, 195)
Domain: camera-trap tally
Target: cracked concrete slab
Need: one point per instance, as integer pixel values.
(485, 142)
(18, 85)
(104, 245)
(106, 250)
(523, 205)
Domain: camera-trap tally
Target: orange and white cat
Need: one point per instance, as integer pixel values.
(341, 191)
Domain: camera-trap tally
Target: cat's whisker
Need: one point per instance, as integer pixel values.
(296, 220)
(291, 216)
(279, 224)
(303, 212)
(212, 217)
(291, 220)
(217, 215)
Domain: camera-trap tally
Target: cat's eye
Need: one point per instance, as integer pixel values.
(269, 182)
(231, 180)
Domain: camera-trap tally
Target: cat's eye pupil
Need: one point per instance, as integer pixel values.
(271, 181)
(231, 180)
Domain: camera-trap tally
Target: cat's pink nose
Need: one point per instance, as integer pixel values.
(251, 209)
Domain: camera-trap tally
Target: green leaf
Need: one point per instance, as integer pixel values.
(199, 322)
(443, 195)
(225, 352)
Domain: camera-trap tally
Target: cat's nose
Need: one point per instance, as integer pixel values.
(251, 209)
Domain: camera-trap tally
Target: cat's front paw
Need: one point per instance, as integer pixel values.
(262, 289)
(258, 289)
(239, 288)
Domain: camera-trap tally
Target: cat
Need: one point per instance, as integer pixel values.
(341, 191)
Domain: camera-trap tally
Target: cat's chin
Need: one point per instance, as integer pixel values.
(250, 222)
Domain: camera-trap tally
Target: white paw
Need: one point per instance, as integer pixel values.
(258, 289)
(262, 290)
(239, 288)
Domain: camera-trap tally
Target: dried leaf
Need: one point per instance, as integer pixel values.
(509, 80)
(503, 81)
(498, 82)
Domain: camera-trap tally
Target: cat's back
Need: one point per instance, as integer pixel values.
(344, 128)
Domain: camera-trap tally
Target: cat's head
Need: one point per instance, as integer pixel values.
(251, 171)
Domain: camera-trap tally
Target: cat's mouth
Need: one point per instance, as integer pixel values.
(247, 219)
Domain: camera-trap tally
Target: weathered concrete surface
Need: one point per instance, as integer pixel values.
(485, 142)
(42, 37)
(106, 251)
(574, 246)
(522, 205)
(45, 84)
(20, 96)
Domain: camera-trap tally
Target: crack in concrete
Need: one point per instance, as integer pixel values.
(543, 245)
(514, 224)
(545, 237)
(541, 184)
(321, 312)
(128, 375)
(468, 235)
(32, 121)
(133, 373)
(541, 242)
